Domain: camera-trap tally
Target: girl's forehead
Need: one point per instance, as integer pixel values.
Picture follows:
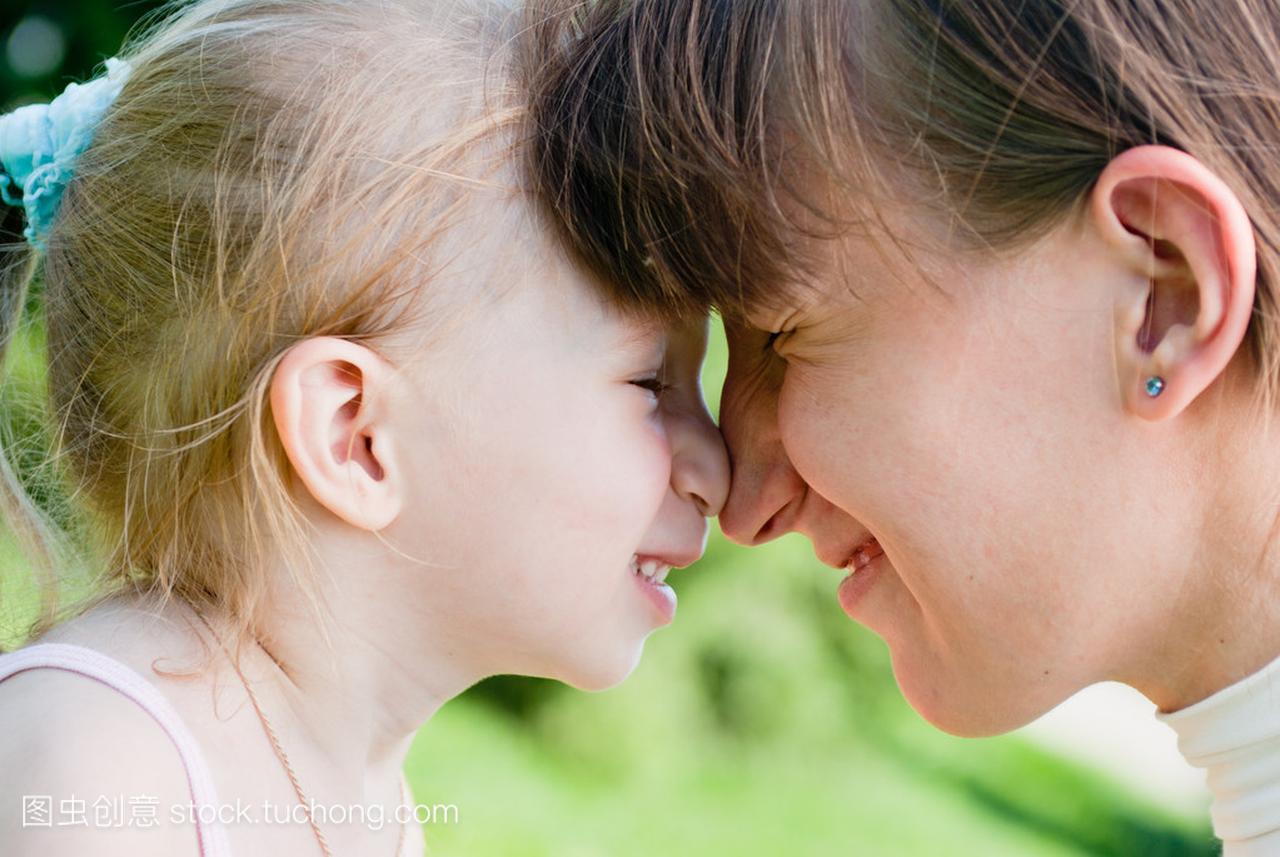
(641, 332)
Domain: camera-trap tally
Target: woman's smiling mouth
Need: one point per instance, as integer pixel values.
(863, 572)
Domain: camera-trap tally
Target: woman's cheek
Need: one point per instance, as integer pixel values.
(810, 442)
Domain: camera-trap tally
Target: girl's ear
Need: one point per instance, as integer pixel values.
(328, 399)
(1189, 244)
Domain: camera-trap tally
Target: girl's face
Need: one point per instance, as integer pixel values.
(568, 463)
(958, 423)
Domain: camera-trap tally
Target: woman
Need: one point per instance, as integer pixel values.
(1000, 285)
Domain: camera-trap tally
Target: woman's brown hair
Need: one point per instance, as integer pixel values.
(673, 134)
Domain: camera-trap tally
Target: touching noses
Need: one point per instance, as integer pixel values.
(766, 495)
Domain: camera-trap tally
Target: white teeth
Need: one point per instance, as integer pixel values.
(864, 557)
(651, 569)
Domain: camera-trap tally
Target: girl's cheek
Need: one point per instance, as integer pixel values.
(657, 452)
(639, 452)
(661, 458)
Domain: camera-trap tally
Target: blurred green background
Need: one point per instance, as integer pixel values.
(762, 722)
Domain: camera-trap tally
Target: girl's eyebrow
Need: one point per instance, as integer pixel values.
(642, 337)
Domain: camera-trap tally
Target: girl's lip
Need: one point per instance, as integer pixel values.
(675, 559)
(660, 595)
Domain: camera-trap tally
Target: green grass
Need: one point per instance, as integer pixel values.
(516, 797)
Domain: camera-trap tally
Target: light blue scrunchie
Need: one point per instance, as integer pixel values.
(39, 144)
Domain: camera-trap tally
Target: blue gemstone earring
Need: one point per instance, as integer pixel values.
(1155, 386)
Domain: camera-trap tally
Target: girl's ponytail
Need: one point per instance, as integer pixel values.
(21, 516)
(17, 269)
(39, 147)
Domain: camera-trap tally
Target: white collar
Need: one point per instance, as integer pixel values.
(1235, 736)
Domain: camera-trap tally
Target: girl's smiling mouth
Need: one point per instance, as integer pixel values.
(650, 575)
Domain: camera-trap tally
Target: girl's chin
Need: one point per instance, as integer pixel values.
(603, 675)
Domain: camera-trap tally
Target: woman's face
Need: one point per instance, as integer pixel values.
(963, 411)
(554, 475)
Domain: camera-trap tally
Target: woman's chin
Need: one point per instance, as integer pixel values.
(961, 707)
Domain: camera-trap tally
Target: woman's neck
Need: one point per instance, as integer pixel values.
(1226, 622)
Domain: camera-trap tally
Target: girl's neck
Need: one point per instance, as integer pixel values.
(357, 696)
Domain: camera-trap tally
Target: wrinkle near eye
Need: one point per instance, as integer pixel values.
(754, 369)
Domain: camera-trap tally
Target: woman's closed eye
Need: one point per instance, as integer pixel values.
(775, 342)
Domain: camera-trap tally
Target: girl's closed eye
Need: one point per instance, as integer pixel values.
(654, 384)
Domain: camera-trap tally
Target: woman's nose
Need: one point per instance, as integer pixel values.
(766, 492)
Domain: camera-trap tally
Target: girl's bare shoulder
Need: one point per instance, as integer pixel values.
(90, 754)
(95, 760)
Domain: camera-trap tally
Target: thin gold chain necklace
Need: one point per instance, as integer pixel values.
(280, 754)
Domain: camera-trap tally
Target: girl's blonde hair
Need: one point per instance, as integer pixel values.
(272, 170)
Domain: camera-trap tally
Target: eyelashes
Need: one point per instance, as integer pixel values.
(654, 385)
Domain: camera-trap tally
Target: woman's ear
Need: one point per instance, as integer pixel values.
(1189, 245)
(328, 398)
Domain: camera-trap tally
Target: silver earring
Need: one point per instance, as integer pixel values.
(1155, 386)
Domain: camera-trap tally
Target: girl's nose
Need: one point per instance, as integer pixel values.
(699, 461)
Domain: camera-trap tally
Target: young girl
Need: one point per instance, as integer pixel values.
(350, 432)
(1001, 284)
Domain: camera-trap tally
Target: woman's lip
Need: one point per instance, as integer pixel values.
(863, 554)
(864, 571)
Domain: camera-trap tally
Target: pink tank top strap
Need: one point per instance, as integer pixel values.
(114, 674)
